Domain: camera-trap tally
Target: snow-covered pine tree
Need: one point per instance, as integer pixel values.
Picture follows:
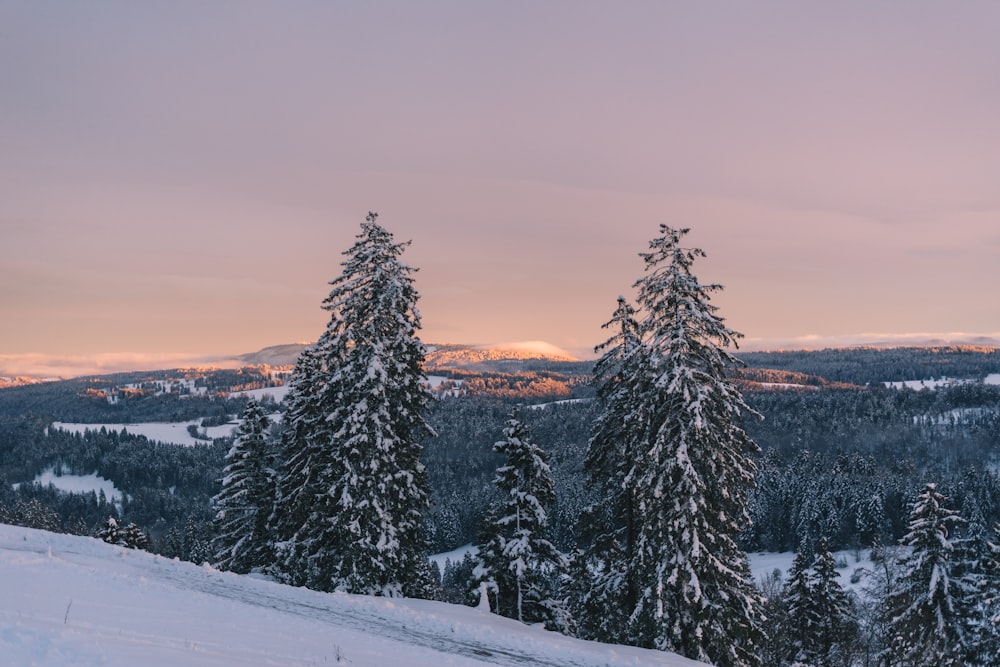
(930, 606)
(130, 536)
(692, 477)
(870, 517)
(242, 541)
(515, 559)
(170, 544)
(876, 613)
(976, 565)
(197, 543)
(992, 598)
(620, 378)
(110, 532)
(800, 615)
(838, 627)
(360, 421)
(306, 472)
(133, 537)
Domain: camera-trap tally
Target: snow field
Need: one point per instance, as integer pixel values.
(174, 433)
(917, 385)
(77, 601)
(80, 484)
(762, 564)
(277, 393)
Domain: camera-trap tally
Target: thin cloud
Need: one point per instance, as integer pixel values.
(37, 365)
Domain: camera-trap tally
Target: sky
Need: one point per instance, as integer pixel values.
(180, 179)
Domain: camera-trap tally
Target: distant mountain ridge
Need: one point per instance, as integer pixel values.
(463, 355)
(23, 369)
(274, 355)
(450, 354)
(16, 370)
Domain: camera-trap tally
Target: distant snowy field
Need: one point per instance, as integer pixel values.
(175, 433)
(917, 385)
(77, 601)
(277, 393)
(762, 564)
(80, 484)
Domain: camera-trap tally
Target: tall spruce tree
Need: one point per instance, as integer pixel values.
(820, 621)
(800, 616)
(692, 474)
(242, 539)
(832, 639)
(930, 607)
(610, 526)
(991, 634)
(353, 481)
(516, 560)
(976, 565)
(306, 472)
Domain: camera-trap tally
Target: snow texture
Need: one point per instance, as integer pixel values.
(78, 601)
(171, 433)
(80, 484)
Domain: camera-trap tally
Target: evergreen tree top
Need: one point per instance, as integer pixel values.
(680, 317)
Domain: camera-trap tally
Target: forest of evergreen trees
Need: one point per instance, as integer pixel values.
(575, 505)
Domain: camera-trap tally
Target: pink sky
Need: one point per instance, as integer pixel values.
(182, 177)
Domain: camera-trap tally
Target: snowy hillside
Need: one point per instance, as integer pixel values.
(68, 600)
(465, 356)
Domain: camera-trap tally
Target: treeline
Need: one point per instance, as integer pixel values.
(826, 453)
(874, 365)
(165, 486)
(519, 385)
(461, 464)
(86, 399)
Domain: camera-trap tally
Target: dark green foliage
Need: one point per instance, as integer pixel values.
(874, 365)
(125, 398)
(820, 623)
(353, 486)
(519, 565)
(691, 471)
(242, 539)
(932, 605)
(131, 536)
(457, 581)
(34, 514)
(610, 531)
(461, 465)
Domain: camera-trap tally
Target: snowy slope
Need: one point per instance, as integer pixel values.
(68, 600)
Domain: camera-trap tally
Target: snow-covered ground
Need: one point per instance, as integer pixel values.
(762, 564)
(454, 556)
(76, 601)
(172, 433)
(277, 393)
(80, 484)
(175, 433)
(917, 385)
(788, 385)
(565, 401)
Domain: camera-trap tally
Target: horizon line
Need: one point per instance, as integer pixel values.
(37, 365)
